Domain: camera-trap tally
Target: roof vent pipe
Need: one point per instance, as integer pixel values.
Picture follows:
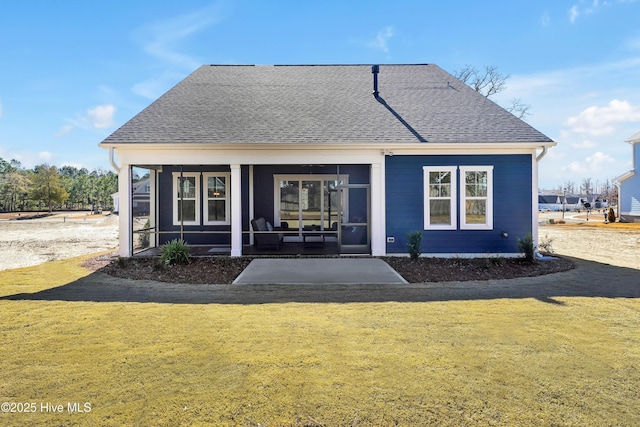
(375, 70)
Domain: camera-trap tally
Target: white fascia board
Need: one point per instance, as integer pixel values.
(624, 176)
(234, 154)
(272, 153)
(634, 138)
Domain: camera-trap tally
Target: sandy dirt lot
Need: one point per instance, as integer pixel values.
(616, 247)
(614, 244)
(31, 242)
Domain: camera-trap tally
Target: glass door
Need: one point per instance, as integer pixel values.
(309, 203)
(354, 225)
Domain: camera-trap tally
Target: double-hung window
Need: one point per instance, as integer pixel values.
(441, 202)
(216, 196)
(476, 197)
(186, 192)
(440, 198)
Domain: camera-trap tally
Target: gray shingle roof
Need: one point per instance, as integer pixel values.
(322, 104)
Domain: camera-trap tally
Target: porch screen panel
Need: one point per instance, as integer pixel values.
(187, 199)
(290, 203)
(331, 204)
(311, 202)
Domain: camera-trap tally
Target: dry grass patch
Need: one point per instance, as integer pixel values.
(498, 362)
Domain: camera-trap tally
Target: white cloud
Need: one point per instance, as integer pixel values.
(101, 116)
(573, 13)
(598, 121)
(45, 156)
(381, 40)
(545, 20)
(592, 164)
(584, 144)
(64, 130)
(163, 40)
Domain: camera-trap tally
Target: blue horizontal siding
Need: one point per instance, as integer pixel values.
(263, 189)
(512, 208)
(193, 233)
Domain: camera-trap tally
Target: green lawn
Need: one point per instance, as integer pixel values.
(497, 362)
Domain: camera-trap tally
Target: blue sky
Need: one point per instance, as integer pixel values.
(74, 71)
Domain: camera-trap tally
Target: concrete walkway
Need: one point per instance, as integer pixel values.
(589, 279)
(328, 271)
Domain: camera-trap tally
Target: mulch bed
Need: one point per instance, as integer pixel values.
(222, 270)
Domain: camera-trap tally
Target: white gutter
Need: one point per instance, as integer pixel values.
(113, 161)
(542, 154)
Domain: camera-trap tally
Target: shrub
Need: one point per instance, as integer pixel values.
(545, 245)
(527, 248)
(175, 252)
(611, 216)
(145, 236)
(415, 240)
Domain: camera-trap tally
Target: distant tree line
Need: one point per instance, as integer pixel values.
(604, 190)
(47, 187)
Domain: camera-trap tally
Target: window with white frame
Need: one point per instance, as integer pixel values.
(476, 197)
(186, 193)
(440, 197)
(216, 196)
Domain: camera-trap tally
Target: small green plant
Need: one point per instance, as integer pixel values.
(175, 252)
(527, 247)
(415, 241)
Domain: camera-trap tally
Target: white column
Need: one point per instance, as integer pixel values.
(534, 200)
(251, 206)
(236, 211)
(378, 228)
(124, 211)
(153, 201)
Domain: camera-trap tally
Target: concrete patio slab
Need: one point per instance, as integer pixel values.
(330, 271)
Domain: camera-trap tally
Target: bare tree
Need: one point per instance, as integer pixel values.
(586, 186)
(488, 82)
(570, 187)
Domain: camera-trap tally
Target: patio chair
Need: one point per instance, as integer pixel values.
(263, 238)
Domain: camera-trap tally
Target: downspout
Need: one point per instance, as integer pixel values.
(542, 154)
(534, 206)
(112, 160)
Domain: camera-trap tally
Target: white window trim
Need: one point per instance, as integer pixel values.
(489, 198)
(453, 198)
(206, 198)
(175, 198)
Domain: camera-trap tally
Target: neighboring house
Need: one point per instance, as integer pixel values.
(140, 198)
(629, 186)
(550, 202)
(364, 154)
(569, 202)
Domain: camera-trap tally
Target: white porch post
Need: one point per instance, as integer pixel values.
(236, 211)
(124, 211)
(534, 200)
(378, 229)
